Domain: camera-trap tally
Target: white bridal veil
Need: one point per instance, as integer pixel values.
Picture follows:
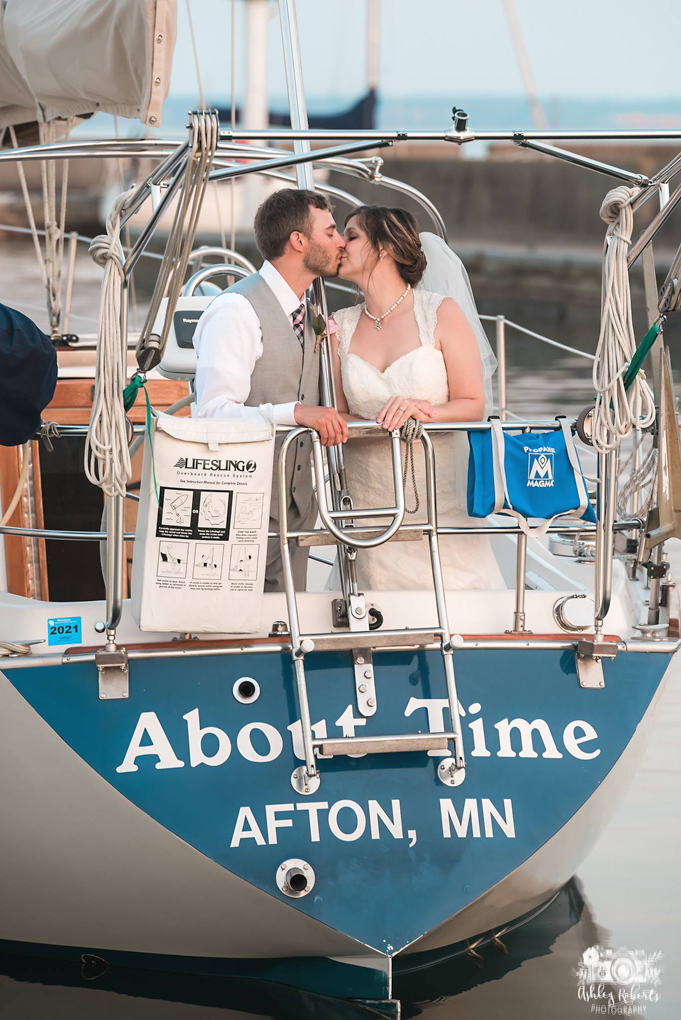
(446, 274)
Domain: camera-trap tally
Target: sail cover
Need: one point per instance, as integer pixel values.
(69, 58)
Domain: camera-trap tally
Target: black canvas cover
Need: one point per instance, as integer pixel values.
(28, 376)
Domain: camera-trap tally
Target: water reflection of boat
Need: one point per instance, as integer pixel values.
(85, 988)
(473, 977)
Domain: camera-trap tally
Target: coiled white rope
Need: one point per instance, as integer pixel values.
(107, 458)
(14, 648)
(618, 411)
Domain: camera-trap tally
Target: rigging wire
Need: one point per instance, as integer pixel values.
(232, 114)
(29, 210)
(126, 235)
(202, 100)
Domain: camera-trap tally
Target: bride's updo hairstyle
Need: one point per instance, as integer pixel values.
(397, 231)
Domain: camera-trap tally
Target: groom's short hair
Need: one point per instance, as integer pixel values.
(281, 214)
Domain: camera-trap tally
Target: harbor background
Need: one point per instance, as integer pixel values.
(530, 235)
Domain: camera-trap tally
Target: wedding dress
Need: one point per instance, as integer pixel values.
(467, 560)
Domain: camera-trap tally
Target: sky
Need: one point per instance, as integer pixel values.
(614, 49)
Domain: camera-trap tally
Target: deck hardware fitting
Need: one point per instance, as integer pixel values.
(358, 608)
(651, 631)
(113, 673)
(279, 629)
(590, 654)
(339, 613)
(365, 690)
(304, 784)
(560, 617)
(295, 878)
(449, 774)
(246, 690)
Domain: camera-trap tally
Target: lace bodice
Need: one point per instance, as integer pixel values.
(467, 560)
(420, 373)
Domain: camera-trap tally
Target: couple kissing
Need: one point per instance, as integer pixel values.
(414, 348)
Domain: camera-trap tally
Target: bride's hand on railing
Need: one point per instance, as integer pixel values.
(395, 412)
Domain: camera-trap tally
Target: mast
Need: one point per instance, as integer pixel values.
(256, 113)
(256, 106)
(294, 87)
(373, 43)
(536, 108)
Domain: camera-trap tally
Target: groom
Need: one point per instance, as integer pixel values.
(256, 353)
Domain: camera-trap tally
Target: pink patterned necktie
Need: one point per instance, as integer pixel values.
(298, 322)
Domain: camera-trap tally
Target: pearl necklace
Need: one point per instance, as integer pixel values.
(377, 319)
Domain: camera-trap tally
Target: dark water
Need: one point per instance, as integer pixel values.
(627, 893)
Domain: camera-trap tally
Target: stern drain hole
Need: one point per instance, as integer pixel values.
(246, 690)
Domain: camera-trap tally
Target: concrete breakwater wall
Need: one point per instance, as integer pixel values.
(527, 227)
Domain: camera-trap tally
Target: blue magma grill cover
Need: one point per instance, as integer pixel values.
(28, 376)
(540, 478)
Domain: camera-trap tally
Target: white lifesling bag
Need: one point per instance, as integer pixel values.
(201, 539)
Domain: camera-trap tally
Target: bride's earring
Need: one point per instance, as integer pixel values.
(380, 257)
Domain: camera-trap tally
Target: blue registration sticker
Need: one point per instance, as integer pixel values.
(65, 630)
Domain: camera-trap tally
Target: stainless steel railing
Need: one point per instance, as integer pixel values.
(431, 529)
(501, 322)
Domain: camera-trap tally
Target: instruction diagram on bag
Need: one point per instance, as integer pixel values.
(177, 508)
(213, 509)
(243, 563)
(172, 559)
(208, 560)
(249, 507)
(194, 514)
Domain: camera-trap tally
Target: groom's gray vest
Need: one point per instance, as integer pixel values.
(285, 372)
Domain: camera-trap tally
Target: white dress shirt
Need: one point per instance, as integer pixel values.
(228, 342)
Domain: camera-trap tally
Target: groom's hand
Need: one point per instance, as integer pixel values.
(326, 421)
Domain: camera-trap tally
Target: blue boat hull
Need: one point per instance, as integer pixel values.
(397, 855)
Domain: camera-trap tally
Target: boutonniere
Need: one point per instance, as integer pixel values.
(323, 328)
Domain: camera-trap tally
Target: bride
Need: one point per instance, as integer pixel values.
(411, 351)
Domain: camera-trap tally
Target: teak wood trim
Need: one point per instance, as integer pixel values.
(16, 547)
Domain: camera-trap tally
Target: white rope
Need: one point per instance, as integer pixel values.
(107, 458)
(23, 475)
(14, 648)
(617, 411)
